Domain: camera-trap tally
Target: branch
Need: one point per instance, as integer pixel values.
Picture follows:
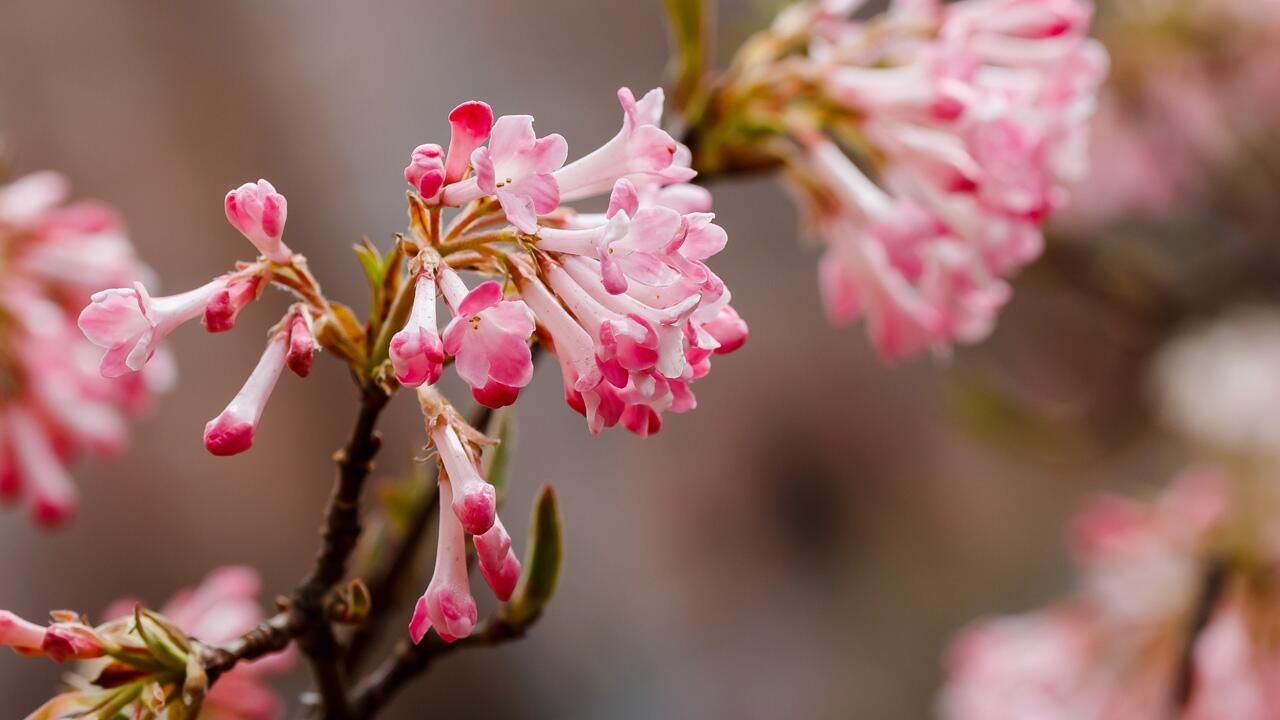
(1215, 576)
(339, 536)
(270, 637)
(409, 660)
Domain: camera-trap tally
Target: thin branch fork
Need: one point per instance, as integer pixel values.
(338, 540)
(1212, 588)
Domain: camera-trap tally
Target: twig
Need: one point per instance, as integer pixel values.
(270, 637)
(1215, 576)
(339, 536)
(409, 660)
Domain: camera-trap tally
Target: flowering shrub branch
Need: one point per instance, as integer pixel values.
(929, 144)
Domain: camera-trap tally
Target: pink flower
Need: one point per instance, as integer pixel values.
(60, 642)
(52, 496)
(302, 342)
(641, 149)
(469, 126)
(58, 406)
(650, 245)
(498, 562)
(222, 308)
(447, 604)
(232, 431)
(425, 172)
(516, 167)
(130, 323)
(1030, 666)
(259, 212)
(729, 330)
(416, 352)
(474, 500)
(489, 337)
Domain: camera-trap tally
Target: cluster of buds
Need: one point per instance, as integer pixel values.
(144, 664)
(1175, 617)
(54, 406)
(964, 120)
(129, 323)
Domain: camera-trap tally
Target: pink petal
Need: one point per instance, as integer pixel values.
(485, 295)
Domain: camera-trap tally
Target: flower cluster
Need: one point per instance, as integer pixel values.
(129, 323)
(144, 665)
(1130, 644)
(54, 406)
(623, 299)
(1192, 97)
(965, 118)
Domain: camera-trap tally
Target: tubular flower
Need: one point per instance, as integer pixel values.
(489, 336)
(474, 500)
(232, 431)
(447, 604)
(55, 407)
(259, 213)
(416, 352)
(130, 324)
(641, 149)
(967, 121)
(516, 168)
(61, 641)
(425, 172)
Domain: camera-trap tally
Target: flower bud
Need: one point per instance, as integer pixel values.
(221, 310)
(470, 124)
(259, 212)
(302, 344)
(232, 431)
(425, 171)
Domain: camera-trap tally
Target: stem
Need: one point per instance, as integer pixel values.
(270, 637)
(475, 242)
(341, 531)
(1214, 583)
(409, 660)
(464, 221)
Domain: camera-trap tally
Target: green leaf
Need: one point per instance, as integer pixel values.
(371, 261)
(497, 460)
(542, 562)
(157, 639)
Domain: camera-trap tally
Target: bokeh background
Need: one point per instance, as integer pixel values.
(802, 545)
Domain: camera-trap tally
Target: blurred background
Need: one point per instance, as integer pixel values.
(803, 545)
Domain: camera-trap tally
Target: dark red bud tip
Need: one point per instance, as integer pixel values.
(51, 514)
(228, 438)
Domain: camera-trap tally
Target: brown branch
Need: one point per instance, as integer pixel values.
(339, 536)
(271, 636)
(409, 660)
(1211, 589)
